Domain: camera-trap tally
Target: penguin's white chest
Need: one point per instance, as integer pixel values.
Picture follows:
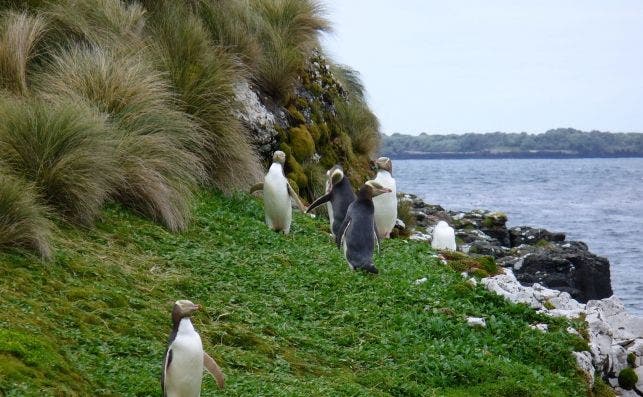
(329, 205)
(385, 205)
(185, 372)
(276, 199)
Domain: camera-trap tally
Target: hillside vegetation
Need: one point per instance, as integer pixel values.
(562, 142)
(114, 101)
(283, 315)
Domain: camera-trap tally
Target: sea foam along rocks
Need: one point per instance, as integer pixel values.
(613, 333)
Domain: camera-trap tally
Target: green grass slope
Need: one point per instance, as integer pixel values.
(283, 315)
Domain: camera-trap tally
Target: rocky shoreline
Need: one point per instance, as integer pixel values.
(552, 275)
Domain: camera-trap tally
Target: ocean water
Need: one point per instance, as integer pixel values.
(598, 201)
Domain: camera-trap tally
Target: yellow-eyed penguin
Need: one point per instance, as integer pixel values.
(357, 236)
(443, 237)
(340, 195)
(184, 357)
(386, 203)
(277, 193)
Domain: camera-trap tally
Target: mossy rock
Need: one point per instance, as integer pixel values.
(294, 185)
(301, 143)
(495, 219)
(328, 157)
(631, 359)
(315, 132)
(627, 378)
(480, 273)
(284, 147)
(296, 115)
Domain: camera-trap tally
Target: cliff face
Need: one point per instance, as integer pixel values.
(312, 127)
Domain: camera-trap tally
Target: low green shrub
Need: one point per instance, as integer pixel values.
(627, 378)
(631, 359)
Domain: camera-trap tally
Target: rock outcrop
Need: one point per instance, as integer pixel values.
(615, 338)
(535, 255)
(551, 275)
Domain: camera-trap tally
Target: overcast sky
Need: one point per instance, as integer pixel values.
(454, 66)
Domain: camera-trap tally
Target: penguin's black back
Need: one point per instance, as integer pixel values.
(342, 196)
(359, 236)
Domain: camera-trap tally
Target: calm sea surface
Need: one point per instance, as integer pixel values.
(598, 201)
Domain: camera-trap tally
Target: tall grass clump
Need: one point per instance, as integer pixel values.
(109, 23)
(62, 147)
(288, 33)
(354, 115)
(23, 220)
(154, 138)
(204, 76)
(350, 80)
(234, 26)
(360, 124)
(19, 36)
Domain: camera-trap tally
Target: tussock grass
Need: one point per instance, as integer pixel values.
(19, 36)
(154, 137)
(109, 23)
(279, 67)
(297, 22)
(23, 220)
(349, 79)
(204, 77)
(288, 34)
(234, 26)
(354, 115)
(65, 149)
(361, 125)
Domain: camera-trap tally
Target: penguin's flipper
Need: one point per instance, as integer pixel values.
(293, 194)
(255, 187)
(377, 238)
(213, 368)
(342, 229)
(166, 368)
(321, 200)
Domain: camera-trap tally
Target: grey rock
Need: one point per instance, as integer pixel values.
(528, 235)
(584, 362)
(476, 322)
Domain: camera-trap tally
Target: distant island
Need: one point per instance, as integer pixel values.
(556, 143)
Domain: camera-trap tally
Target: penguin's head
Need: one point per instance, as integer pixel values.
(375, 188)
(279, 157)
(336, 175)
(384, 163)
(183, 308)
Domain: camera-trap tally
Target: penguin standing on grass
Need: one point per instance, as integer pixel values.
(340, 195)
(357, 235)
(386, 203)
(184, 357)
(277, 194)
